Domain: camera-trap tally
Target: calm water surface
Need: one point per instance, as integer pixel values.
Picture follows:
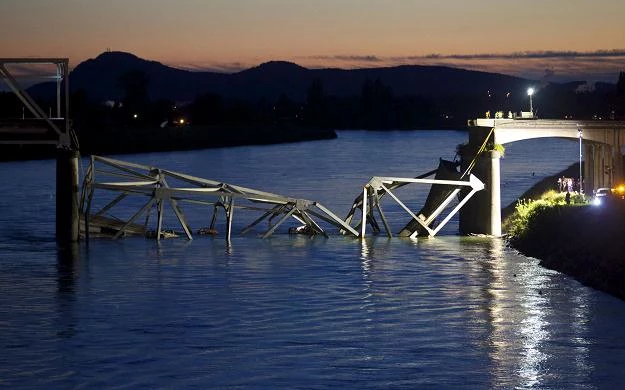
(294, 312)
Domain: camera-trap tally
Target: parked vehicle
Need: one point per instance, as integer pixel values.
(601, 196)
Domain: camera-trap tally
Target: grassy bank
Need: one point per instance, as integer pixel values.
(540, 188)
(580, 240)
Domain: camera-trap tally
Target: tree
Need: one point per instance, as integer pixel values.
(316, 104)
(285, 108)
(135, 83)
(620, 85)
(207, 109)
(377, 105)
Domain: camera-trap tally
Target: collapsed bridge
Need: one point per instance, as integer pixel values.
(160, 189)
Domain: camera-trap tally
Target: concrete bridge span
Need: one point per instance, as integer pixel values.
(601, 149)
(511, 130)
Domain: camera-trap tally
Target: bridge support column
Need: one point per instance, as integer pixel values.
(608, 166)
(589, 163)
(619, 174)
(67, 214)
(598, 167)
(482, 213)
(494, 187)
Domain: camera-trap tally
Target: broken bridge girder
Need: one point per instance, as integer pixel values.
(133, 179)
(378, 186)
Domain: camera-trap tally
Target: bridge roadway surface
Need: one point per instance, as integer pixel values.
(596, 131)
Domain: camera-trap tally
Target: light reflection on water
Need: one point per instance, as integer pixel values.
(293, 312)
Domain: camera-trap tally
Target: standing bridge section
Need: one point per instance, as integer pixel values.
(601, 146)
(41, 128)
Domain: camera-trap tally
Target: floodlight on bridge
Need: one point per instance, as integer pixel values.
(530, 92)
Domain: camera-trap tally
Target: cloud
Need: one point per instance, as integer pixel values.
(212, 66)
(614, 53)
(361, 58)
(548, 74)
(549, 65)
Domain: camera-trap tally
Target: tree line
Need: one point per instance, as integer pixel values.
(375, 108)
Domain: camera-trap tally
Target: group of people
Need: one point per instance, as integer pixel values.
(568, 184)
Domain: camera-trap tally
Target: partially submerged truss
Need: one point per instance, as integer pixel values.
(372, 193)
(153, 184)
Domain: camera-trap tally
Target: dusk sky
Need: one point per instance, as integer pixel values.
(557, 39)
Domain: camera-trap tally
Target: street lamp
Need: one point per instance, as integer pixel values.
(580, 134)
(530, 92)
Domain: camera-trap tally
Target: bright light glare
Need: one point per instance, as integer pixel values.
(530, 91)
(596, 202)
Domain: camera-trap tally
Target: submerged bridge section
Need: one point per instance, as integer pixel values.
(158, 189)
(601, 145)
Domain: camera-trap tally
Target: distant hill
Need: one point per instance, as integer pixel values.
(99, 77)
(421, 96)
(268, 103)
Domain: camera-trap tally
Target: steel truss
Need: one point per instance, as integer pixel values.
(43, 128)
(153, 184)
(377, 187)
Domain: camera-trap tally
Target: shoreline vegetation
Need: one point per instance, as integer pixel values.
(579, 240)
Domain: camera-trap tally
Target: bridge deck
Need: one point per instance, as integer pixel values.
(511, 130)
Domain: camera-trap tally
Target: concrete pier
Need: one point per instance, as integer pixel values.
(67, 207)
(45, 129)
(482, 213)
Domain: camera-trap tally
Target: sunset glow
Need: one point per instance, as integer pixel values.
(558, 38)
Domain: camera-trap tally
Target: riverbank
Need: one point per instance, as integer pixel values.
(582, 241)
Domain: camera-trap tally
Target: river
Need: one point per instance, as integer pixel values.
(294, 312)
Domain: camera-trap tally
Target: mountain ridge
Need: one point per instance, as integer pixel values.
(99, 76)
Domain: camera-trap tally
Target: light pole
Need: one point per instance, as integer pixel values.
(580, 134)
(530, 92)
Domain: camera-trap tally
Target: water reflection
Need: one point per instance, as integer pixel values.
(523, 311)
(68, 258)
(374, 247)
(372, 250)
(580, 323)
(517, 311)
